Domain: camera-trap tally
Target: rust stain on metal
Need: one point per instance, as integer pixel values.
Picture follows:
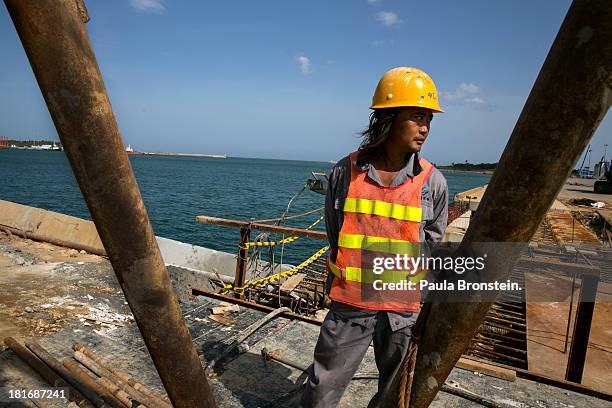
(516, 201)
(60, 53)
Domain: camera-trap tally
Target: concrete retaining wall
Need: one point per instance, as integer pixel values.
(196, 257)
(73, 232)
(49, 226)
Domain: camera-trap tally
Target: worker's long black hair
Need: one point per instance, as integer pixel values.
(377, 133)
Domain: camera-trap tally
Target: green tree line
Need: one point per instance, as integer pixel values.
(470, 166)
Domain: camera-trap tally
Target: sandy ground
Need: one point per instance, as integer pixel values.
(46, 288)
(583, 188)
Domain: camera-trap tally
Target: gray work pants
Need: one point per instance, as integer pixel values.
(342, 345)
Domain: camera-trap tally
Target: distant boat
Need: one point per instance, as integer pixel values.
(130, 150)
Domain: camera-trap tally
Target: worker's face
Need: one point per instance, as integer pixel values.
(410, 129)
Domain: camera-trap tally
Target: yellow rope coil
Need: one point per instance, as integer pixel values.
(278, 276)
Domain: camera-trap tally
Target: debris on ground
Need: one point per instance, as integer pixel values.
(225, 309)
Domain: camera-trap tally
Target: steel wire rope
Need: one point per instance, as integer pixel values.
(265, 236)
(254, 260)
(282, 219)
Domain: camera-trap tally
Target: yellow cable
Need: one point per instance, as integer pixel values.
(278, 276)
(282, 241)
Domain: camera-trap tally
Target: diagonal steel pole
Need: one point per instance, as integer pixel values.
(571, 96)
(57, 45)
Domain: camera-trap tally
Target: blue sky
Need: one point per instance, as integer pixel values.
(293, 80)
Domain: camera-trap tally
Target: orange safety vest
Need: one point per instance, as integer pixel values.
(378, 222)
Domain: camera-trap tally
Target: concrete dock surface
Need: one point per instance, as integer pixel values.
(576, 188)
(60, 296)
(573, 189)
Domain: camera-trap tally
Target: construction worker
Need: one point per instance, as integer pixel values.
(383, 198)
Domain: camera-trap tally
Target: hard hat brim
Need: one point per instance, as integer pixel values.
(392, 105)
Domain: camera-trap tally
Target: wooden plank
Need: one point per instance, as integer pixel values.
(292, 282)
(226, 321)
(487, 369)
(287, 231)
(225, 309)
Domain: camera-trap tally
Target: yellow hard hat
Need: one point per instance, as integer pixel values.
(406, 86)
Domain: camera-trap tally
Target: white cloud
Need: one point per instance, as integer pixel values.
(388, 18)
(380, 43)
(373, 1)
(465, 94)
(148, 6)
(305, 64)
(475, 100)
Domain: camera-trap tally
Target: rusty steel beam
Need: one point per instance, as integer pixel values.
(53, 240)
(482, 338)
(571, 96)
(76, 380)
(582, 327)
(87, 380)
(46, 372)
(251, 305)
(241, 261)
(131, 381)
(57, 45)
(274, 229)
(102, 372)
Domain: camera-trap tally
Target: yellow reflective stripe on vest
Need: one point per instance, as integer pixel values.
(334, 269)
(379, 244)
(368, 276)
(383, 208)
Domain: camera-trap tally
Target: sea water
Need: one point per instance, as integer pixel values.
(176, 189)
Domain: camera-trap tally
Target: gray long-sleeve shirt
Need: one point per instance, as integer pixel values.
(434, 203)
